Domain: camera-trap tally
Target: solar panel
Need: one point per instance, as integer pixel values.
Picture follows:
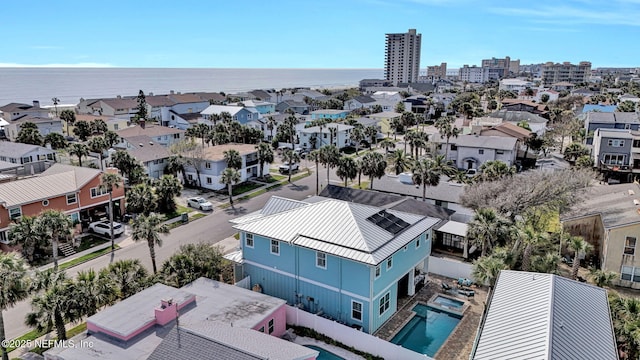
(388, 222)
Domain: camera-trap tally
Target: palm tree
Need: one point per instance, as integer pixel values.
(149, 228)
(191, 262)
(602, 278)
(315, 156)
(175, 165)
(447, 131)
(400, 161)
(486, 229)
(531, 239)
(578, 245)
(98, 144)
(29, 134)
(110, 181)
(201, 130)
(141, 199)
(371, 132)
(495, 169)
(357, 135)
(230, 177)
(487, 268)
(55, 306)
(333, 133)
(124, 162)
(396, 125)
(98, 126)
(57, 225)
(426, 174)
(346, 169)
(69, 117)
(128, 277)
(374, 166)
(444, 167)
(92, 291)
(387, 144)
(359, 168)
(289, 125)
(271, 124)
(56, 140)
(574, 151)
(329, 157)
(265, 155)
(233, 158)
(15, 288)
(625, 314)
(78, 150)
(30, 235)
(290, 157)
(111, 138)
(167, 188)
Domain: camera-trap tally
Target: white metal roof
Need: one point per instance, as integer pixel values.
(545, 316)
(340, 228)
(218, 109)
(274, 205)
(454, 227)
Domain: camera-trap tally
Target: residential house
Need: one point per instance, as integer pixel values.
(211, 97)
(613, 150)
(545, 316)
(183, 121)
(524, 105)
(384, 120)
(241, 96)
(330, 114)
(113, 123)
(614, 120)
(263, 107)
(120, 107)
(153, 156)
(262, 95)
(563, 86)
(471, 151)
(584, 92)
(15, 111)
(205, 319)
(322, 136)
(367, 83)
(536, 123)
(160, 135)
(297, 107)
(9, 171)
(45, 125)
(211, 164)
(515, 85)
(291, 250)
(608, 218)
(629, 97)
(393, 96)
(359, 102)
(163, 107)
(77, 191)
(241, 114)
(35, 159)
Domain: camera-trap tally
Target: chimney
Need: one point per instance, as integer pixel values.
(119, 96)
(171, 92)
(150, 94)
(167, 312)
(36, 103)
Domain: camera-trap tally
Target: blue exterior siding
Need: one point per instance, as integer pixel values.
(402, 262)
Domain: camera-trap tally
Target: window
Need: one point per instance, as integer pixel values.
(389, 263)
(275, 247)
(99, 191)
(3, 237)
(209, 180)
(615, 143)
(115, 126)
(417, 243)
(15, 213)
(207, 165)
(71, 199)
(262, 329)
(481, 151)
(270, 326)
(176, 136)
(45, 202)
(190, 177)
(630, 246)
(384, 303)
(636, 143)
(454, 147)
(356, 310)
(454, 241)
(321, 260)
(630, 273)
(614, 159)
(26, 159)
(499, 152)
(248, 240)
(377, 271)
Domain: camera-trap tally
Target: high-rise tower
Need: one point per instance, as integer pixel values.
(402, 57)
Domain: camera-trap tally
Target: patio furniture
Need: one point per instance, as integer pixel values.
(446, 287)
(466, 292)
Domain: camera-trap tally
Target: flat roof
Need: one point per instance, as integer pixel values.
(216, 152)
(615, 204)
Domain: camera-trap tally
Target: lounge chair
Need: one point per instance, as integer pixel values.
(466, 292)
(446, 287)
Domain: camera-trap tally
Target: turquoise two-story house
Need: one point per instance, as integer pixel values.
(345, 261)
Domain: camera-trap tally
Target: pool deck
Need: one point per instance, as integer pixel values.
(301, 340)
(460, 342)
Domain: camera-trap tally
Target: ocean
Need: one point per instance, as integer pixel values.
(23, 85)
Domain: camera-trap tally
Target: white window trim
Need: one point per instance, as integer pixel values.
(418, 242)
(271, 247)
(388, 293)
(98, 193)
(389, 267)
(634, 245)
(75, 196)
(377, 271)
(271, 326)
(19, 208)
(361, 310)
(246, 240)
(318, 253)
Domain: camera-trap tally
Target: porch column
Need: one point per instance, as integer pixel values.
(412, 287)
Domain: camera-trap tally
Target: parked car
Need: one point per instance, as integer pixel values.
(102, 228)
(199, 203)
(284, 168)
(472, 172)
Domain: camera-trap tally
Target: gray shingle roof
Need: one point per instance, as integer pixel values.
(17, 150)
(545, 316)
(366, 197)
(614, 203)
(613, 117)
(485, 142)
(339, 228)
(444, 191)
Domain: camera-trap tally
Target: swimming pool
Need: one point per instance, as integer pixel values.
(427, 330)
(457, 304)
(324, 354)
(447, 304)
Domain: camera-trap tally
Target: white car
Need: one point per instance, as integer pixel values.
(199, 203)
(102, 228)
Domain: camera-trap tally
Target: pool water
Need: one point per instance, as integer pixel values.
(427, 331)
(324, 354)
(456, 304)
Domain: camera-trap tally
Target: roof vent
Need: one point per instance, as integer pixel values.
(141, 144)
(151, 143)
(636, 202)
(631, 192)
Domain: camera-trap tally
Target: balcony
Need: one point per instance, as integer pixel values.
(252, 162)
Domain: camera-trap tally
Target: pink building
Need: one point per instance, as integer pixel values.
(210, 316)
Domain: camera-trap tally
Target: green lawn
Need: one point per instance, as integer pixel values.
(245, 187)
(70, 333)
(179, 211)
(197, 216)
(85, 258)
(363, 185)
(31, 335)
(91, 241)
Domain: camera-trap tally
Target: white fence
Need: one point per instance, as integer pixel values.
(351, 337)
(450, 268)
(244, 283)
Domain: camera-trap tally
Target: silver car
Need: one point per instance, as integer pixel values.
(199, 203)
(103, 228)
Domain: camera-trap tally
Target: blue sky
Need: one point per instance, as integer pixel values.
(314, 34)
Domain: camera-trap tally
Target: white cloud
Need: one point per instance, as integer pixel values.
(570, 15)
(77, 65)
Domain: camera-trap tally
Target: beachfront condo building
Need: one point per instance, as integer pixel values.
(402, 57)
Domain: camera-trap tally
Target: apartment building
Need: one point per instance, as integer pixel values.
(565, 72)
(402, 57)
